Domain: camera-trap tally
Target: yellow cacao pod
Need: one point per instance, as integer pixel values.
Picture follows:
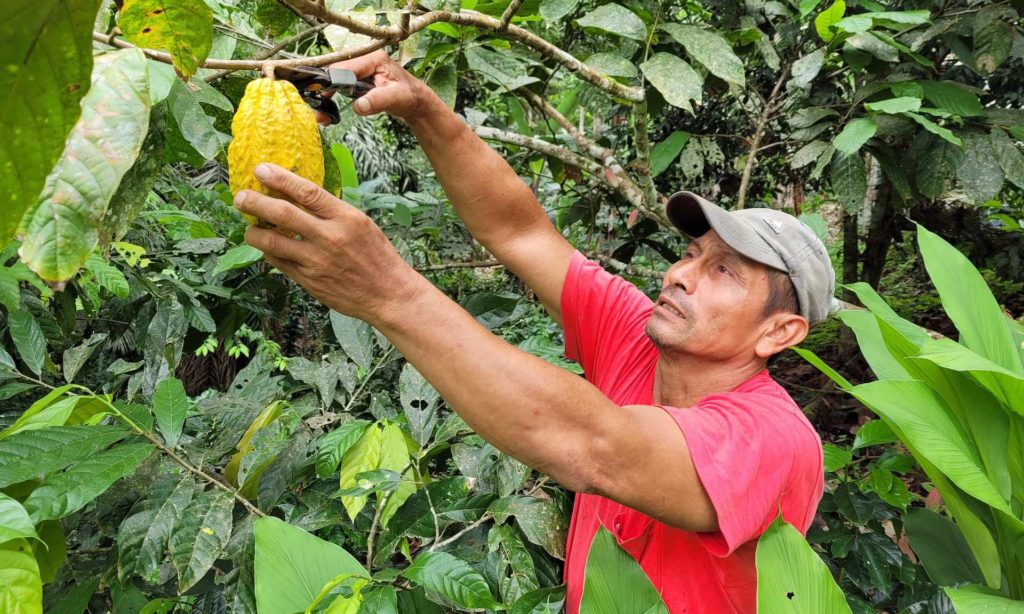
(273, 124)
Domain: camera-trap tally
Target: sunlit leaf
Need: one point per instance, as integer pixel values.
(21, 588)
(14, 521)
(854, 135)
(676, 80)
(616, 19)
(791, 577)
(455, 579)
(292, 566)
(182, 27)
(710, 50)
(47, 58)
(62, 230)
(614, 582)
(825, 22)
(31, 454)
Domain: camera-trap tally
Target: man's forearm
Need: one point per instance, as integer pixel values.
(485, 191)
(542, 415)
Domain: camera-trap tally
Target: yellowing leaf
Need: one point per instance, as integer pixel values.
(363, 456)
(184, 28)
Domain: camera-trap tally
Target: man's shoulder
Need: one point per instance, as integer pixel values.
(771, 406)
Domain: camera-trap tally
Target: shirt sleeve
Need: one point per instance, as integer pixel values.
(604, 318)
(755, 458)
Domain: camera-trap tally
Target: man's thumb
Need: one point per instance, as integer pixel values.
(362, 106)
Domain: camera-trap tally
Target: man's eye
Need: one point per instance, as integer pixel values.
(689, 255)
(724, 270)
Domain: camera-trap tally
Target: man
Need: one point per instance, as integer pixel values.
(678, 441)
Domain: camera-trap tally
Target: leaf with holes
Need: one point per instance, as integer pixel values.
(791, 577)
(184, 28)
(200, 535)
(62, 229)
(676, 80)
(709, 49)
(64, 493)
(419, 400)
(47, 58)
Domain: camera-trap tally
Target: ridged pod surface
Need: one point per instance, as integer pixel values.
(273, 124)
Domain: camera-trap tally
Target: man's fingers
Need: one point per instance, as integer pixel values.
(277, 246)
(364, 65)
(391, 96)
(278, 212)
(304, 192)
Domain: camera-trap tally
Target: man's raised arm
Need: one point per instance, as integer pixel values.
(497, 207)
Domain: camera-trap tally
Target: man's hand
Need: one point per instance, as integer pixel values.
(394, 91)
(343, 259)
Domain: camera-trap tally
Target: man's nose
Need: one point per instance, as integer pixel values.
(683, 275)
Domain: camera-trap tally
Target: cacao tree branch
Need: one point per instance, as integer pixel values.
(269, 53)
(472, 264)
(393, 34)
(768, 110)
(648, 203)
(510, 12)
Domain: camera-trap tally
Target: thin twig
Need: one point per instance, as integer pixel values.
(472, 264)
(506, 17)
(269, 53)
(768, 109)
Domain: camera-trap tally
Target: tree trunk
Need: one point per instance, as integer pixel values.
(882, 228)
(851, 253)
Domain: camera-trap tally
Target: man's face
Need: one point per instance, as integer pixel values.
(711, 303)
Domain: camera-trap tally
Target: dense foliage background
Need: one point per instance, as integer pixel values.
(162, 389)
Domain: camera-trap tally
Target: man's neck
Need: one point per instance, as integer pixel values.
(683, 380)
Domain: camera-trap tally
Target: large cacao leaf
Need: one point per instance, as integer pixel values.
(201, 534)
(182, 27)
(61, 230)
(47, 60)
(143, 536)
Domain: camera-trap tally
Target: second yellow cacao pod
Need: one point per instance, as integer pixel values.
(273, 124)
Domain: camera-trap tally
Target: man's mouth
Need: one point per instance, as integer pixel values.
(671, 308)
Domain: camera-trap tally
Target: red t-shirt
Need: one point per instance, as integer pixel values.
(753, 449)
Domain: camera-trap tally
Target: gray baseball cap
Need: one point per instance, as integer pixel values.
(771, 237)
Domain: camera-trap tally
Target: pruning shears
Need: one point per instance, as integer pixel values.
(316, 85)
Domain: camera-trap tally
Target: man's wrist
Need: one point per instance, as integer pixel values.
(432, 115)
(410, 292)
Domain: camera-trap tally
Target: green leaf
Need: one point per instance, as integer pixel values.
(62, 230)
(810, 153)
(969, 302)
(677, 81)
(14, 389)
(419, 401)
(355, 338)
(665, 152)
(951, 96)
(170, 406)
(929, 427)
(21, 588)
(1007, 386)
(31, 454)
(237, 257)
(200, 535)
(52, 549)
(363, 456)
(107, 276)
(444, 80)
(454, 578)
(184, 28)
(143, 536)
(935, 129)
(613, 65)
(195, 126)
(980, 599)
(813, 358)
(941, 548)
(540, 601)
(75, 357)
(334, 445)
(791, 577)
(849, 180)
(1010, 158)
(807, 7)
(292, 566)
(709, 49)
(14, 521)
(556, 10)
(614, 582)
(540, 520)
(873, 433)
(28, 339)
(993, 37)
(346, 165)
(500, 69)
(615, 19)
(64, 493)
(825, 22)
(416, 516)
(379, 600)
(806, 69)
(47, 60)
(937, 164)
(894, 105)
(854, 135)
(836, 458)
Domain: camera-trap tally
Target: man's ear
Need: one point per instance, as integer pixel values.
(781, 331)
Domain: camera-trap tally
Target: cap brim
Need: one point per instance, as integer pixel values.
(695, 216)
